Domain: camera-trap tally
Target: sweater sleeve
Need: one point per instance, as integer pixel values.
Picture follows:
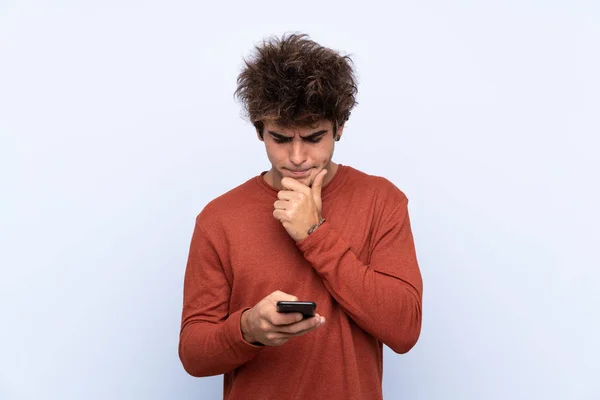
(383, 297)
(210, 341)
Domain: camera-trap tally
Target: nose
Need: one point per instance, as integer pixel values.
(297, 153)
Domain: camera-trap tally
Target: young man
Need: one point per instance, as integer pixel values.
(308, 229)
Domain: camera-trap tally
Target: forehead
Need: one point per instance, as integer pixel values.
(301, 129)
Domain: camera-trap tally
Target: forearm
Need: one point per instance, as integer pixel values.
(385, 304)
(207, 349)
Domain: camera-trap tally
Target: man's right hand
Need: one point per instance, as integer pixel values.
(264, 324)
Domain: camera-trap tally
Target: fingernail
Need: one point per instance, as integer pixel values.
(322, 320)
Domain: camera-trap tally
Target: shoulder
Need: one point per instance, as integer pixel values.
(227, 204)
(373, 185)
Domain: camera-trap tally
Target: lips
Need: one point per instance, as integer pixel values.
(299, 173)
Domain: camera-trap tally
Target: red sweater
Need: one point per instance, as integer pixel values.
(359, 267)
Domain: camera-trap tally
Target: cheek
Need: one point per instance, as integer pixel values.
(324, 155)
(275, 153)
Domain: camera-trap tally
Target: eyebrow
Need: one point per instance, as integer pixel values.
(313, 135)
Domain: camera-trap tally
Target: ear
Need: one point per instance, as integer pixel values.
(340, 130)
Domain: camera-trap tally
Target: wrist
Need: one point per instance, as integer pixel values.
(245, 329)
(315, 226)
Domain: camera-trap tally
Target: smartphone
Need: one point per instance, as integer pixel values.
(306, 308)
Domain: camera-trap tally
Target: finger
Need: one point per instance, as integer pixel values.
(289, 205)
(287, 195)
(292, 184)
(301, 325)
(278, 295)
(279, 215)
(317, 185)
(279, 320)
(304, 332)
(281, 204)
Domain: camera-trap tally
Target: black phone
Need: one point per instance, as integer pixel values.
(306, 308)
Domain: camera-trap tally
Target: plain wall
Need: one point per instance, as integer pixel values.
(118, 124)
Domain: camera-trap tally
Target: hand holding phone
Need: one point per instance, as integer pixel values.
(306, 308)
(277, 318)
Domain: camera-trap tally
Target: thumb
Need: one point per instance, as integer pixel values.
(318, 184)
(278, 295)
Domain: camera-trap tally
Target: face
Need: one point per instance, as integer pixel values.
(299, 152)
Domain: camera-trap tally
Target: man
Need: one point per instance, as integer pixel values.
(308, 229)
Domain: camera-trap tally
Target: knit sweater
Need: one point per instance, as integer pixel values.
(359, 266)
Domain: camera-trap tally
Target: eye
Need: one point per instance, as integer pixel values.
(280, 140)
(315, 140)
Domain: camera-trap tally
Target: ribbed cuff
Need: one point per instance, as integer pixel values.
(311, 240)
(236, 339)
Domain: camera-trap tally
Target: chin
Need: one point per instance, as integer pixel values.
(307, 181)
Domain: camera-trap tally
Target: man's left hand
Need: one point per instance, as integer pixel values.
(299, 206)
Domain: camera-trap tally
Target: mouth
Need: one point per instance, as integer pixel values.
(299, 173)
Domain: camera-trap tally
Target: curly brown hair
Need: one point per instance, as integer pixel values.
(296, 82)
